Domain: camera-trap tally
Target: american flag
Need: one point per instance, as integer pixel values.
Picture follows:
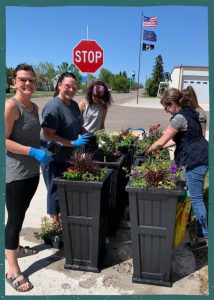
(150, 22)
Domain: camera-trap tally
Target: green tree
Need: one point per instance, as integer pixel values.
(91, 78)
(9, 77)
(120, 84)
(158, 71)
(106, 76)
(152, 84)
(47, 73)
(76, 72)
(65, 67)
(124, 74)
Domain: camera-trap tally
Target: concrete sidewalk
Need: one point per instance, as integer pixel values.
(153, 103)
(46, 269)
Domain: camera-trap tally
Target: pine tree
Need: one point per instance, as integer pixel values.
(157, 77)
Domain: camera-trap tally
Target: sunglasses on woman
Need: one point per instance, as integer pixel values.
(25, 79)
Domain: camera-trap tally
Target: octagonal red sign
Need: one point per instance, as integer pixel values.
(88, 56)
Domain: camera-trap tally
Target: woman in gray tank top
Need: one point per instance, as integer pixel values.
(94, 108)
(22, 168)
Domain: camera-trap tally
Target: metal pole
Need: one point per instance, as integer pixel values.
(87, 39)
(138, 77)
(87, 32)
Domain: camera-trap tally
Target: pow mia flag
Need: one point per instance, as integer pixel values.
(148, 47)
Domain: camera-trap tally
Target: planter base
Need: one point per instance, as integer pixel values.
(151, 281)
(84, 212)
(82, 268)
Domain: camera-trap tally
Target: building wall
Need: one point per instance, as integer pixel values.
(175, 78)
(197, 77)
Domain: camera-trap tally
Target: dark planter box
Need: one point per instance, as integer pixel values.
(84, 210)
(55, 242)
(129, 157)
(152, 218)
(118, 195)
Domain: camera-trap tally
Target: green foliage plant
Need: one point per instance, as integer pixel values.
(156, 172)
(84, 168)
(153, 135)
(49, 228)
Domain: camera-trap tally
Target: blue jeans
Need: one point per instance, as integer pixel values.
(195, 183)
(50, 172)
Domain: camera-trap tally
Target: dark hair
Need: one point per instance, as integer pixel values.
(61, 78)
(24, 67)
(106, 98)
(190, 92)
(173, 95)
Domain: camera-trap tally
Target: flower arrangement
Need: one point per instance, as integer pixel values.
(49, 229)
(84, 167)
(156, 172)
(113, 143)
(105, 142)
(148, 139)
(124, 140)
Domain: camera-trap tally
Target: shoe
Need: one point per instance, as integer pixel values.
(17, 284)
(196, 245)
(26, 251)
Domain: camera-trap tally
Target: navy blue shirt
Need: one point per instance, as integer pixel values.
(65, 119)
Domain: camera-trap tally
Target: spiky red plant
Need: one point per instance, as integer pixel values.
(83, 162)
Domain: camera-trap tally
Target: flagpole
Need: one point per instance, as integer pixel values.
(138, 76)
(87, 39)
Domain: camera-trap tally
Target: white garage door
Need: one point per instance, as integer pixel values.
(201, 88)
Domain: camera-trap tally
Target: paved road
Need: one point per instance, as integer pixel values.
(124, 114)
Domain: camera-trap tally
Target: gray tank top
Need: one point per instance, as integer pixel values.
(92, 117)
(26, 131)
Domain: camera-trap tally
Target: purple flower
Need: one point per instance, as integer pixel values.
(173, 169)
(174, 177)
(135, 174)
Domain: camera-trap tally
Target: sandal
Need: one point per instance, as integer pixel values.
(26, 251)
(17, 284)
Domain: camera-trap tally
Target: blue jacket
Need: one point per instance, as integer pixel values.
(191, 146)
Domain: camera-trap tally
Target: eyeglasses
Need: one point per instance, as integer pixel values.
(69, 86)
(25, 79)
(167, 105)
(97, 96)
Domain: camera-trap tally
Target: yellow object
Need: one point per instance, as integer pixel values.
(182, 214)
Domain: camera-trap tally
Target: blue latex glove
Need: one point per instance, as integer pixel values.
(81, 140)
(40, 155)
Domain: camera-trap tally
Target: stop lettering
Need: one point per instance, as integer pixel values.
(88, 56)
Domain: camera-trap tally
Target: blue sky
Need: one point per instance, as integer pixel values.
(35, 35)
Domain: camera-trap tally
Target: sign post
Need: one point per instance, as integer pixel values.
(88, 56)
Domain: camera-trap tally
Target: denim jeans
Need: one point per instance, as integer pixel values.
(195, 183)
(50, 172)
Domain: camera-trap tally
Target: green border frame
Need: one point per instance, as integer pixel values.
(47, 3)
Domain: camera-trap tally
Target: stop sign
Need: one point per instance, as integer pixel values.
(88, 56)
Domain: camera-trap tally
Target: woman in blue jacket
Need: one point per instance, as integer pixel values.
(191, 152)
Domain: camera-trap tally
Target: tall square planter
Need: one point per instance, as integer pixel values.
(118, 195)
(84, 212)
(152, 218)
